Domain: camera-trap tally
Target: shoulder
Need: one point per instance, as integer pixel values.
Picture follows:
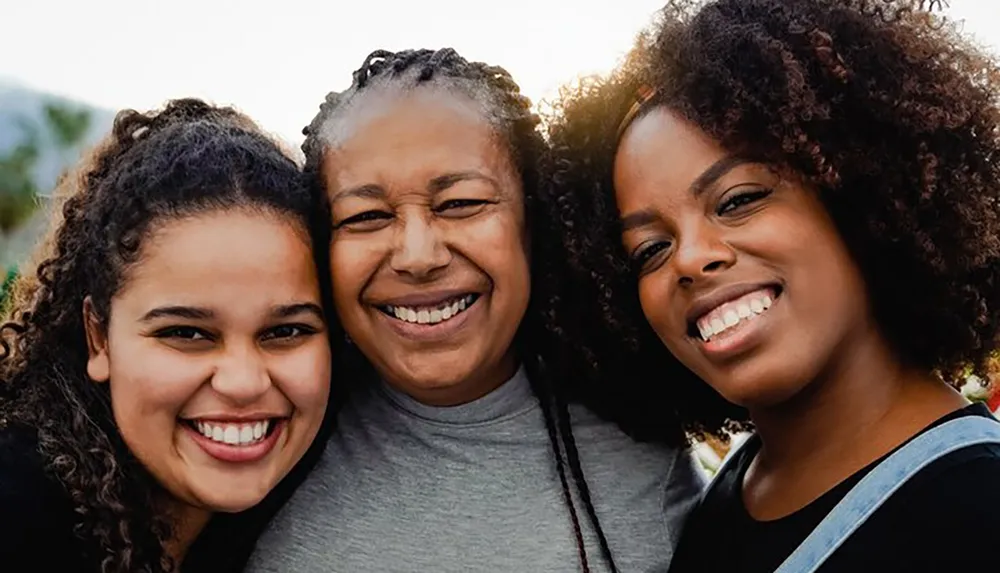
(36, 515)
(605, 439)
(934, 521)
(961, 482)
(610, 456)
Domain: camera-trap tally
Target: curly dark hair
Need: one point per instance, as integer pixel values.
(188, 158)
(510, 114)
(880, 105)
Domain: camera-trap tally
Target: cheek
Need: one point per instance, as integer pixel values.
(353, 262)
(657, 305)
(499, 246)
(148, 379)
(303, 376)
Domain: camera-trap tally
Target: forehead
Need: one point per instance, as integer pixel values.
(417, 134)
(222, 257)
(661, 148)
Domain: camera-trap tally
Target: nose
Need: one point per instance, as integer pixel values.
(702, 253)
(419, 250)
(241, 376)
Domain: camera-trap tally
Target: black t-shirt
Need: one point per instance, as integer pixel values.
(943, 520)
(37, 517)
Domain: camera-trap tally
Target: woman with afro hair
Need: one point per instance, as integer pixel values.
(789, 208)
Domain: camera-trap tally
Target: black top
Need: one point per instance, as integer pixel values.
(943, 519)
(37, 517)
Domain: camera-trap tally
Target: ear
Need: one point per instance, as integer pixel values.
(98, 363)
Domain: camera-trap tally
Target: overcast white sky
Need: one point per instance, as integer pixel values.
(277, 59)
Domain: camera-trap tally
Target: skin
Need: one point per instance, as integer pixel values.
(206, 328)
(826, 393)
(426, 202)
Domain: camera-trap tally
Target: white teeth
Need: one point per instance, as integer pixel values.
(234, 434)
(431, 316)
(743, 311)
(730, 318)
(705, 331)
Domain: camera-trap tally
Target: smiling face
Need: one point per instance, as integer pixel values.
(217, 356)
(742, 273)
(429, 243)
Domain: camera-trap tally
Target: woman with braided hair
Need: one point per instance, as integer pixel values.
(163, 366)
(466, 449)
(792, 209)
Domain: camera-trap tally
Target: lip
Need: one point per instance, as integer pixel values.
(426, 298)
(238, 454)
(431, 332)
(708, 301)
(234, 418)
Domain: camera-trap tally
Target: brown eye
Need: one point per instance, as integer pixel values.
(187, 333)
(644, 254)
(743, 199)
(288, 331)
(460, 207)
(368, 218)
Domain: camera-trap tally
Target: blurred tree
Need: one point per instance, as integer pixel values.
(17, 180)
(65, 128)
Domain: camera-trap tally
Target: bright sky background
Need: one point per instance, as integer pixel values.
(276, 60)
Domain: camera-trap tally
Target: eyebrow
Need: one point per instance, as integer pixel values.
(715, 172)
(290, 310)
(196, 313)
(442, 182)
(637, 219)
(368, 190)
(176, 311)
(707, 178)
(436, 185)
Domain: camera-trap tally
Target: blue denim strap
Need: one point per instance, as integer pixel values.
(875, 488)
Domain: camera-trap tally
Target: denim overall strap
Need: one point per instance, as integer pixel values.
(875, 488)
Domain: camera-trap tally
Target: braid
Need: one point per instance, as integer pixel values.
(510, 112)
(546, 399)
(569, 443)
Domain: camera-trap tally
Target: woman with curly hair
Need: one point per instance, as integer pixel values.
(465, 449)
(167, 359)
(802, 208)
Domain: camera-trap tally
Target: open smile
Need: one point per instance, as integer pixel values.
(431, 314)
(236, 441)
(430, 317)
(732, 324)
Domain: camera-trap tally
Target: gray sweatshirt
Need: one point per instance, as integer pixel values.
(406, 487)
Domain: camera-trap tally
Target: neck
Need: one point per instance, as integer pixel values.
(863, 406)
(187, 524)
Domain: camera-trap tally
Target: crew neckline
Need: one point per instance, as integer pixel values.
(509, 399)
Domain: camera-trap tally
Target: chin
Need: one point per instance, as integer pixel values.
(231, 497)
(758, 389)
(432, 373)
(232, 501)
